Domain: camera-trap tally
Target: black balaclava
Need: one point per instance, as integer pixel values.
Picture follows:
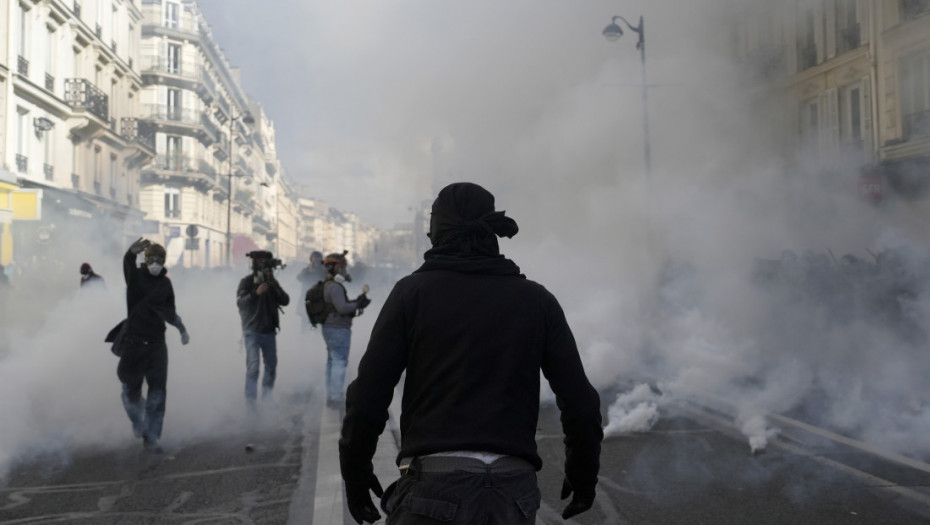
(463, 222)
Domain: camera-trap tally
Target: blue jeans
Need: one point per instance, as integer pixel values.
(337, 350)
(255, 343)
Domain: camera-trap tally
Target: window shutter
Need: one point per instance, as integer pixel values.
(866, 112)
(833, 121)
(830, 29)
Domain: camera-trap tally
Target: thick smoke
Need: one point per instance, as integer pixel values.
(677, 279)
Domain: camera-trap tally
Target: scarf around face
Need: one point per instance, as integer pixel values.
(463, 230)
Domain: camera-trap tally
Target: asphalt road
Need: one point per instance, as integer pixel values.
(692, 468)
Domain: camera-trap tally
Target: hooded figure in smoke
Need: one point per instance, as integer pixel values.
(472, 334)
(90, 279)
(143, 352)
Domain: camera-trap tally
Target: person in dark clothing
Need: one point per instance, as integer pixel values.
(308, 276)
(337, 328)
(472, 334)
(259, 297)
(144, 354)
(90, 279)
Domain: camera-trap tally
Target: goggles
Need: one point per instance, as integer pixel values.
(155, 259)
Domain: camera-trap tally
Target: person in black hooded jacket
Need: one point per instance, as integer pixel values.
(144, 354)
(472, 334)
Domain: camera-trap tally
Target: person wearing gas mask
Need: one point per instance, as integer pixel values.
(259, 298)
(337, 328)
(144, 354)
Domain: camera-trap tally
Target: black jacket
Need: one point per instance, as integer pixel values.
(473, 335)
(259, 313)
(149, 301)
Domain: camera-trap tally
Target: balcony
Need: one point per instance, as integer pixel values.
(139, 132)
(50, 82)
(49, 171)
(181, 170)
(173, 119)
(80, 93)
(22, 66)
(848, 39)
(807, 57)
(916, 124)
(22, 163)
(209, 128)
(911, 9)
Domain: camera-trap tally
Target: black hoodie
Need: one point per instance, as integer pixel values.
(472, 334)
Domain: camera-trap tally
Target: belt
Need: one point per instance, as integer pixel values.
(463, 464)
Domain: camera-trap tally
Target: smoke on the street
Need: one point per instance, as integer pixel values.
(662, 279)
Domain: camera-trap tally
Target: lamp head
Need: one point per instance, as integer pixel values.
(612, 32)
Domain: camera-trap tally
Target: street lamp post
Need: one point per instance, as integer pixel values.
(613, 32)
(247, 118)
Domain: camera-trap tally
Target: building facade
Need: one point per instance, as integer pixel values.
(70, 133)
(856, 75)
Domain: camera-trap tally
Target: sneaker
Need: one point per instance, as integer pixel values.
(151, 445)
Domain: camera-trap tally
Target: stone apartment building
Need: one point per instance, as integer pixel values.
(70, 136)
(856, 75)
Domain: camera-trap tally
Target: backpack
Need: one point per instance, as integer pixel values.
(317, 309)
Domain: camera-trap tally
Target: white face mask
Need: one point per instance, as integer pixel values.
(155, 268)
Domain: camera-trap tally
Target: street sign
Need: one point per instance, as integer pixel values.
(191, 230)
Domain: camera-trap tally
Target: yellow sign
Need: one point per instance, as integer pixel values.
(27, 204)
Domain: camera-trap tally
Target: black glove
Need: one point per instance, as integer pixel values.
(362, 301)
(139, 246)
(582, 500)
(358, 499)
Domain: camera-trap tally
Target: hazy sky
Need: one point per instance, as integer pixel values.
(359, 91)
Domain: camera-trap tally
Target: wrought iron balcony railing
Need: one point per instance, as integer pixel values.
(22, 66)
(81, 93)
(848, 39)
(135, 130)
(172, 67)
(172, 113)
(917, 124)
(807, 56)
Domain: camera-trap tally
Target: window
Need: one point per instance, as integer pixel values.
(22, 130)
(172, 202)
(174, 104)
(174, 59)
(172, 15)
(112, 173)
(915, 95)
(848, 34)
(173, 152)
(851, 116)
(810, 123)
(807, 43)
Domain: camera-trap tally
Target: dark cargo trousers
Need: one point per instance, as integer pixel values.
(144, 361)
(463, 491)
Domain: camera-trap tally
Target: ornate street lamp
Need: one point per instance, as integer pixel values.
(613, 32)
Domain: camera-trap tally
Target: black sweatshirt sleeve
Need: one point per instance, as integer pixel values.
(578, 401)
(368, 397)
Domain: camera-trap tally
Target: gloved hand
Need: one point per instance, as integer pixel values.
(358, 499)
(139, 246)
(362, 301)
(581, 501)
(185, 337)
